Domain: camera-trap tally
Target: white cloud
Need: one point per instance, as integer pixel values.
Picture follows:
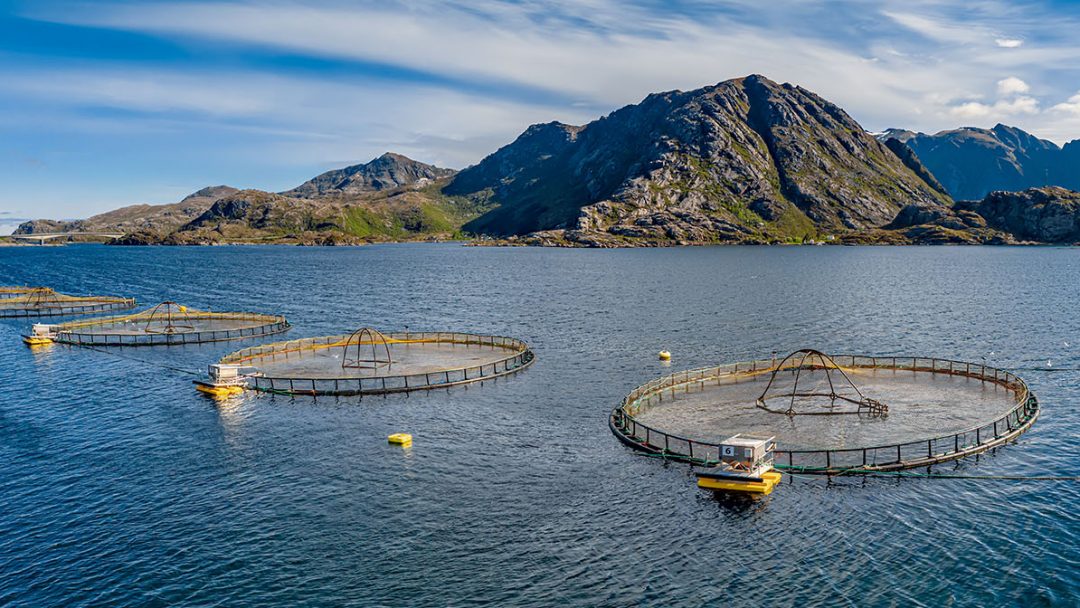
(1072, 106)
(305, 117)
(1009, 43)
(1012, 86)
(1001, 109)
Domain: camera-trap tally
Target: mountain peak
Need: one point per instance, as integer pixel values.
(746, 158)
(971, 162)
(210, 193)
(390, 170)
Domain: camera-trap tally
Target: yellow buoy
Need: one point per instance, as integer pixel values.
(664, 355)
(402, 439)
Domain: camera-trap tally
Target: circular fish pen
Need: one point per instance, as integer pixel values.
(167, 323)
(44, 302)
(845, 413)
(15, 292)
(368, 361)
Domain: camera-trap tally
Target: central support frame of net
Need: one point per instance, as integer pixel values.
(168, 323)
(1021, 412)
(807, 399)
(46, 302)
(380, 350)
(368, 361)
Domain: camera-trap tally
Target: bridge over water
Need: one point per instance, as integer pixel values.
(42, 238)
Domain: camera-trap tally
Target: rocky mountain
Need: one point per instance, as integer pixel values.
(136, 218)
(385, 172)
(415, 211)
(389, 198)
(973, 162)
(746, 160)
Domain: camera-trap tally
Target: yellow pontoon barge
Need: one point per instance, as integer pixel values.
(746, 465)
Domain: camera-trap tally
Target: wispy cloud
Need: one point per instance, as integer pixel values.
(310, 83)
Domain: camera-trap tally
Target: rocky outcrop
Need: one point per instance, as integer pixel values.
(744, 160)
(973, 162)
(1036, 215)
(385, 172)
(1043, 215)
(46, 227)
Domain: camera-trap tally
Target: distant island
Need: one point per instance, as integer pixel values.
(745, 161)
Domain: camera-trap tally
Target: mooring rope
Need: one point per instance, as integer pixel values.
(145, 361)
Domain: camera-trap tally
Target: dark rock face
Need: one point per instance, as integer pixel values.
(513, 162)
(746, 160)
(255, 209)
(388, 171)
(909, 158)
(972, 162)
(1044, 215)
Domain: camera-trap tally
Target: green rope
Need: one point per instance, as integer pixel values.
(871, 473)
(816, 471)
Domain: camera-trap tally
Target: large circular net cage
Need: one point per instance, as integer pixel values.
(45, 302)
(15, 292)
(368, 361)
(168, 323)
(831, 414)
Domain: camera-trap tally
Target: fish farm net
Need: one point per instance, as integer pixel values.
(831, 414)
(44, 302)
(370, 362)
(15, 292)
(166, 324)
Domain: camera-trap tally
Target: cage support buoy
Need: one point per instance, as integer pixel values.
(402, 439)
(664, 355)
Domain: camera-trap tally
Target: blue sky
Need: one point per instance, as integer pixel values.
(105, 104)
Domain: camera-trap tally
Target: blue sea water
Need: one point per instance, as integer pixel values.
(120, 485)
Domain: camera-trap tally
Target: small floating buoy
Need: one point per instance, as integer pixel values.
(664, 355)
(402, 439)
